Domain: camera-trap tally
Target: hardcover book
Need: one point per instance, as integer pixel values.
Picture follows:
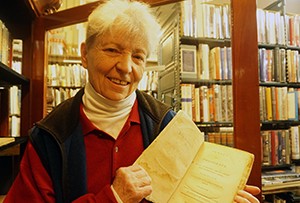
(185, 168)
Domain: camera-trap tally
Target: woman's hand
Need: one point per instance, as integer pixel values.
(247, 195)
(132, 183)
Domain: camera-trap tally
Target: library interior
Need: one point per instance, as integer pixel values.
(232, 66)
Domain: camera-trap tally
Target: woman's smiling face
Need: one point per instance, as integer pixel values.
(115, 64)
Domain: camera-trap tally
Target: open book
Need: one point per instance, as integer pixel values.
(185, 168)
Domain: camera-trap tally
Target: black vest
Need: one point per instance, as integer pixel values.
(59, 143)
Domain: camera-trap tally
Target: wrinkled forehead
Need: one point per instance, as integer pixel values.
(128, 38)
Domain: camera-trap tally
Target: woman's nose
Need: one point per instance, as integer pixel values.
(125, 63)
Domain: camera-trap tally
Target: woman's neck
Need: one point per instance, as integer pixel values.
(105, 113)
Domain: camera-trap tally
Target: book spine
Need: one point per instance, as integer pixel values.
(295, 147)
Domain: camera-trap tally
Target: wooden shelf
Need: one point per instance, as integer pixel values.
(9, 77)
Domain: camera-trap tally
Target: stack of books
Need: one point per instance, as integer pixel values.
(279, 179)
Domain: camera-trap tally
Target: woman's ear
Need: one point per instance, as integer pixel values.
(83, 51)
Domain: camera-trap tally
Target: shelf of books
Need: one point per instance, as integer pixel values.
(278, 37)
(11, 80)
(65, 75)
(196, 49)
(15, 82)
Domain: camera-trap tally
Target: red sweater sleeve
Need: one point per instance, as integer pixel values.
(34, 184)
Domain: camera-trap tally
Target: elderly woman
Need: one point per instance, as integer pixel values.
(84, 149)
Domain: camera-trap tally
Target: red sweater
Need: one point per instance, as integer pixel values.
(104, 156)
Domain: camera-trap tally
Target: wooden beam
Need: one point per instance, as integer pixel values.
(246, 83)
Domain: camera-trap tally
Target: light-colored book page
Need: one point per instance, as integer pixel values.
(168, 157)
(215, 175)
(6, 140)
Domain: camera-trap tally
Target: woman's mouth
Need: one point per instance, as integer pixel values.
(119, 82)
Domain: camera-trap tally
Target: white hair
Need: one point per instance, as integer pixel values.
(132, 18)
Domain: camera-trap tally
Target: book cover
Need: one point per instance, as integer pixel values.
(295, 148)
(218, 24)
(197, 104)
(185, 168)
(226, 21)
(269, 103)
(203, 61)
(270, 27)
(200, 18)
(224, 68)
(186, 99)
(188, 61)
(217, 102)
(274, 147)
(266, 148)
(210, 21)
(229, 62)
(292, 104)
(261, 25)
(262, 102)
(211, 100)
(204, 104)
(274, 102)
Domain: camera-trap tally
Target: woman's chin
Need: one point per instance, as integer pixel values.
(115, 96)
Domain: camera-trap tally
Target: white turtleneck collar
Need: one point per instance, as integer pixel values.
(107, 115)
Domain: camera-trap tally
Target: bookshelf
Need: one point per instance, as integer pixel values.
(17, 19)
(65, 74)
(279, 84)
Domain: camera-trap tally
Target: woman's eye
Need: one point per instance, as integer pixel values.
(139, 57)
(111, 50)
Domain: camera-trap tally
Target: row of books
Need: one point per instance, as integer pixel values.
(293, 65)
(65, 41)
(271, 26)
(280, 146)
(280, 180)
(293, 30)
(272, 65)
(223, 138)
(202, 19)
(149, 81)
(57, 95)
(206, 64)
(69, 75)
(279, 103)
(207, 20)
(15, 93)
(276, 149)
(279, 65)
(287, 197)
(207, 103)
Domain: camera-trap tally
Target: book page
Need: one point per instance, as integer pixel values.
(6, 140)
(167, 158)
(215, 175)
